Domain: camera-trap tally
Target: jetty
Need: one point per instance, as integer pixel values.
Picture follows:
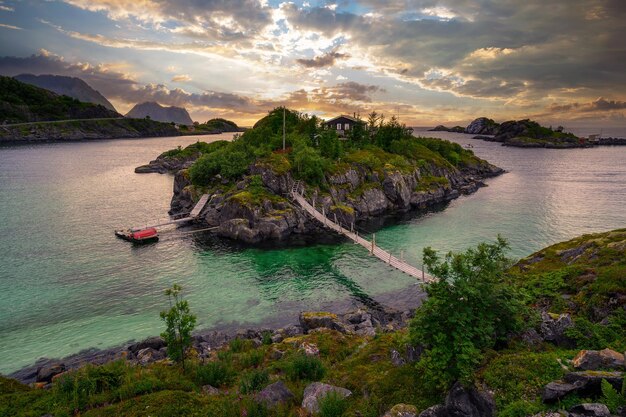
(193, 215)
(386, 257)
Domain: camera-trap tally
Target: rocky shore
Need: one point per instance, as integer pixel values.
(77, 130)
(354, 195)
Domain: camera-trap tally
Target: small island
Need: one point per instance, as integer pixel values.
(527, 134)
(372, 170)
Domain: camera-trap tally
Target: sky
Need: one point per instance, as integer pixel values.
(426, 61)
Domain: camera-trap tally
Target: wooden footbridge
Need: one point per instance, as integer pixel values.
(381, 254)
(195, 212)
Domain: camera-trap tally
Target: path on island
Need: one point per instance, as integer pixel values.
(381, 254)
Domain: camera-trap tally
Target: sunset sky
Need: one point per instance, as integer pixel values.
(430, 61)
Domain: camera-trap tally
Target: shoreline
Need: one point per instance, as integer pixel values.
(391, 307)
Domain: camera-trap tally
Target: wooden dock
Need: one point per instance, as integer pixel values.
(381, 254)
(195, 212)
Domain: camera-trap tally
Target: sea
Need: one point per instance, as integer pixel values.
(67, 284)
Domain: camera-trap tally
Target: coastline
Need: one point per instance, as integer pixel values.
(394, 306)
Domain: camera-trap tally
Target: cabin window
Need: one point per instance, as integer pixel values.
(338, 126)
(347, 126)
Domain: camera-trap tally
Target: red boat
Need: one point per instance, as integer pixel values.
(139, 236)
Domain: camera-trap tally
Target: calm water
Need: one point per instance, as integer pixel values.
(68, 284)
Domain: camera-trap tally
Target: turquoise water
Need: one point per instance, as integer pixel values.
(67, 284)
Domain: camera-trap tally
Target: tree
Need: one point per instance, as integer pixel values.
(179, 325)
(469, 309)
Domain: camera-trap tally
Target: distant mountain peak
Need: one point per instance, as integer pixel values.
(69, 86)
(160, 113)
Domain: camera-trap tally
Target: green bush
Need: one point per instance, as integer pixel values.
(309, 165)
(253, 381)
(216, 374)
(253, 358)
(333, 405)
(469, 309)
(303, 367)
(611, 397)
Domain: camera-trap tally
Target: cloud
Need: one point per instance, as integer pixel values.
(326, 60)
(2, 25)
(6, 8)
(599, 105)
(181, 78)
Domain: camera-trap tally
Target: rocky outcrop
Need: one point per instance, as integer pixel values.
(442, 128)
(354, 195)
(584, 384)
(316, 391)
(589, 410)
(402, 410)
(553, 329)
(482, 126)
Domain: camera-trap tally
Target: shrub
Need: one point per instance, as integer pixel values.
(253, 381)
(332, 405)
(303, 367)
(469, 309)
(179, 324)
(216, 374)
(253, 358)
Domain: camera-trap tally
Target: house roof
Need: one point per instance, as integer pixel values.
(343, 116)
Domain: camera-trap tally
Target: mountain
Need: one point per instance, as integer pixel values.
(160, 113)
(23, 103)
(69, 86)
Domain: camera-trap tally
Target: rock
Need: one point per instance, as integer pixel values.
(396, 358)
(590, 381)
(556, 390)
(47, 372)
(310, 349)
(292, 330)
(402, 410)
(594, 359)
(317, 390)
(274, 394)
(531, 337)
(276, 354)
(438, 410)
(590, 410)
(553, 329)
(414, 353)
(482, 126)
(210, 390)
(316, 320)
(463, 402)
(149, 355)
(155, 343)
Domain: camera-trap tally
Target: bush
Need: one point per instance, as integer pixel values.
(469, 309)
(253, 381)
(309, 165)
(332, 405)
(216, 374)
(303, 367)
(253, 358)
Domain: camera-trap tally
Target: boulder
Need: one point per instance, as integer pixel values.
(590, 381)
(274, 394)
(590, 410)
(396, 358)
(210, 390)
(316, 320)
(317, 390)
(556, 390)
(402, 410)
(149, 355)
(597, 359)
(553, 327)
(464, 402)
(48, 371)
(438, 410)
(482, 126)
(155, 343)
(310, 349)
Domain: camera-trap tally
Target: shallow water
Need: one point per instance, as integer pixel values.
(68, 284)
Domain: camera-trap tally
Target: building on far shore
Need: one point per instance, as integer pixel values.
(342, 124)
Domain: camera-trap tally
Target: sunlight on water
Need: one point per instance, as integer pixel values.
(68, 284)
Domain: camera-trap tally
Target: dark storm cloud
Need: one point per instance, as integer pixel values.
(326, 60)
(599, 105)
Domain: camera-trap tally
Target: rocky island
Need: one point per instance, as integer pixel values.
(527, 134)
(370, 173)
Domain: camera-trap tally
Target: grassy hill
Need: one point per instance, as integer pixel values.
(23, 103)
